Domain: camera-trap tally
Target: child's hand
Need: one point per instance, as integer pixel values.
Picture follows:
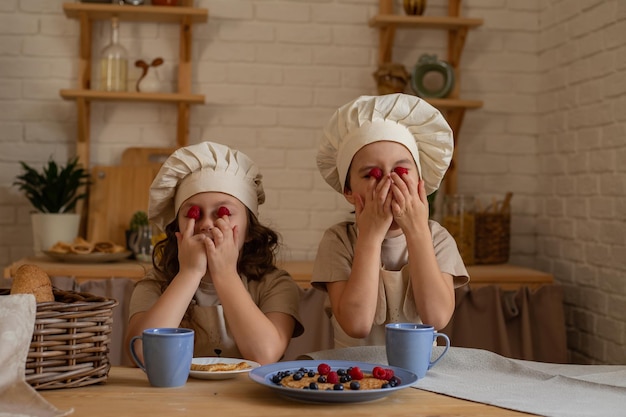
(222, 250)
(191, 252)
(409, 204)
(373, 211)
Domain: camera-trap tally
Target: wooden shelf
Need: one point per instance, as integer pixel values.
(431, 22)
(95, 95)
(185, 16)
(168, 14)
(453, 108)
(454, 103)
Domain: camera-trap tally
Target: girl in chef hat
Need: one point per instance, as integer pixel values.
(214, 272)
(386, 154)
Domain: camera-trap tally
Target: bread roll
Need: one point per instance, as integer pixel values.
(31, 279)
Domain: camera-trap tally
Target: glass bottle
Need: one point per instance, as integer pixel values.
(113, 62)
(458, 219)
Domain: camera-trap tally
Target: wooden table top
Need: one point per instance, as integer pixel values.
(506, 275)
(128, 393)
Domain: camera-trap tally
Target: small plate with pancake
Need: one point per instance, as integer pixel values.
(220, 368)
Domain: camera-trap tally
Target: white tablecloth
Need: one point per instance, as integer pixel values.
(555, 390)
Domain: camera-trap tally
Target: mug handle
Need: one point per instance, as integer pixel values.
(435, 336)
(134, 355)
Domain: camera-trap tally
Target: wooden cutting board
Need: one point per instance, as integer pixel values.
(145, 156)
(115, 194)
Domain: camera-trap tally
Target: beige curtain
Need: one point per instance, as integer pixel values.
(521, 324)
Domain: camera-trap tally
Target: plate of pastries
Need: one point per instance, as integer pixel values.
(83, 251)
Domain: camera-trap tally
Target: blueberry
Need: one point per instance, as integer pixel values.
(313, 386)
(310, 374)
(355, 385)
(395, 381)
(276, 379)
(298, 376)
(338, 387)
(341, 372)
(321, 379)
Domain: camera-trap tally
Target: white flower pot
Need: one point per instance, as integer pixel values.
(49, 228)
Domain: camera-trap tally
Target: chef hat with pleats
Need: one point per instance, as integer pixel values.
(401, 118)
(203, 167)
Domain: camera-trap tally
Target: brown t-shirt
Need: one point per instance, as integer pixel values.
(395, 295)
(275, 292)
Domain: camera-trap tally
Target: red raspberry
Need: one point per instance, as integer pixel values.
(223, 211)
(332, 377)
(379, 372)
(194, 212)
(323, 369)
(376, 173)
(400, 171)
(388, 374)
(356, 373)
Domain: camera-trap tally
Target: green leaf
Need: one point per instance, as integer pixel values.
(55, 189)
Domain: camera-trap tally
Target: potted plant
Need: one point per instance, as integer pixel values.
(54, 192)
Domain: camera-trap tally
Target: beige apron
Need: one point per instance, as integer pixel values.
(212, 337)
(395, 304)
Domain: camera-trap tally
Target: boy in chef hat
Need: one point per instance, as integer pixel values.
(386, 154)
(214, 272)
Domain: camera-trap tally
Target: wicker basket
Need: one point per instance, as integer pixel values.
(70, 345)
(493, 236)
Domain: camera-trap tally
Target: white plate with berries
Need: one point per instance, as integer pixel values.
(332, 381)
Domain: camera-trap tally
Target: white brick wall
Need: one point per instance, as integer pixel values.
(581, 179)
(551, 73)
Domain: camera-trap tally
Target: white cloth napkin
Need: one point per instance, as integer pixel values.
(546, 389)
(17, 397)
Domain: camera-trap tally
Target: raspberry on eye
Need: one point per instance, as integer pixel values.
(400, 171)
(223, 211)
(376, 173)
(194, 212)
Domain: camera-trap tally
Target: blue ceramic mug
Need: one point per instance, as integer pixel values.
(167, 354)
(409, 346)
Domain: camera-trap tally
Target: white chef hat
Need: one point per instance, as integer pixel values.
(401, 118)
(203, 167)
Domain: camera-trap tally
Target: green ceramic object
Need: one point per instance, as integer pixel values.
(430, 63)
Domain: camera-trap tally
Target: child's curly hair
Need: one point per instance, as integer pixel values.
(257, 258)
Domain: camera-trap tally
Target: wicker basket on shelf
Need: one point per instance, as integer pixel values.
(70, 344)
(493, 232)
(492, 241)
